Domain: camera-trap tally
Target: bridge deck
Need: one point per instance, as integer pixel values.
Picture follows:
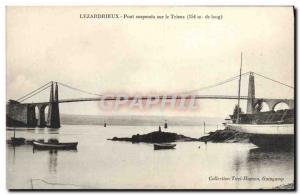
(114, 98)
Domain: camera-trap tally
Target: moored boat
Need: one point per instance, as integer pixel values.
(272, 129)
(164, 146)
(54, 146)
(268, 136)
(267, 129)
(17, 141)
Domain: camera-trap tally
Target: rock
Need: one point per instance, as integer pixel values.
(226, 136)
(155, 137)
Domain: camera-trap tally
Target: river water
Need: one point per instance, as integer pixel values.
(102, 164)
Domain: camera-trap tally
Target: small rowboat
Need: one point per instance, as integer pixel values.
(54, 146)
(16, 141)
(164, 146)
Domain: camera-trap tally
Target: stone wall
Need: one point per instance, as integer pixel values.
(17, 112)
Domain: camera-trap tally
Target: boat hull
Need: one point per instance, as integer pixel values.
(268, 136)
(270, 142)
(164, 146)
(54, 146)
(17, 141)
(269, 129)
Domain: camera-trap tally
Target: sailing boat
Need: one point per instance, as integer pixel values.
(16, 141)
(265, 133)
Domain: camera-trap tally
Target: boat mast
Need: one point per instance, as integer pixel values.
(239, 91)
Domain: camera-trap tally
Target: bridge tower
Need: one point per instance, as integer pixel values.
(251, 94)
(53, 112)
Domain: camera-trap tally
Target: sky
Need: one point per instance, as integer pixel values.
(150, 56)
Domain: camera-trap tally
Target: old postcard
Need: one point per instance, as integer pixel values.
(151, 98)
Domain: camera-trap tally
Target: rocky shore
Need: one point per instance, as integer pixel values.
(225, 136)
(155, 137)
(219, 136)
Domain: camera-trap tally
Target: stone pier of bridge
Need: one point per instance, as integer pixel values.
(34, 114)
(253, 102)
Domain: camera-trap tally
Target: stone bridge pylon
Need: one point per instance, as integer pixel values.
(53, 117)
(252, 102)
(34, 114)
(53, 120)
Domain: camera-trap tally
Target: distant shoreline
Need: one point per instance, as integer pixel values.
(138, 120)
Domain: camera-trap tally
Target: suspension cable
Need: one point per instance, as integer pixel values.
(216, 84)
(274, 80)
(32, 92)
(35, 93)
(77, 89)
(44, 87)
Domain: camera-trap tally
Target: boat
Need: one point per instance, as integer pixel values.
(266, 129)
(164, 146)
(268, 136)
(273, 129)
(54, 145)
(17, 141)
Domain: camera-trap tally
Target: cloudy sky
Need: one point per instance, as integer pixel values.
(144, 57)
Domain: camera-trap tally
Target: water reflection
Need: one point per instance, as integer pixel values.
(51, 131)
(270, 163)
(137, 166)
(53, 161)
(237, 164)
(257, 164)
(14, 154)
(258, 156)
(46, 131)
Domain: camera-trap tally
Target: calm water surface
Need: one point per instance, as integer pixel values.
(99, 163)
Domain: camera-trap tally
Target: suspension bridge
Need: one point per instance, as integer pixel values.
(22, 113)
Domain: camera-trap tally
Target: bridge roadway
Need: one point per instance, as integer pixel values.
(114, 98)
